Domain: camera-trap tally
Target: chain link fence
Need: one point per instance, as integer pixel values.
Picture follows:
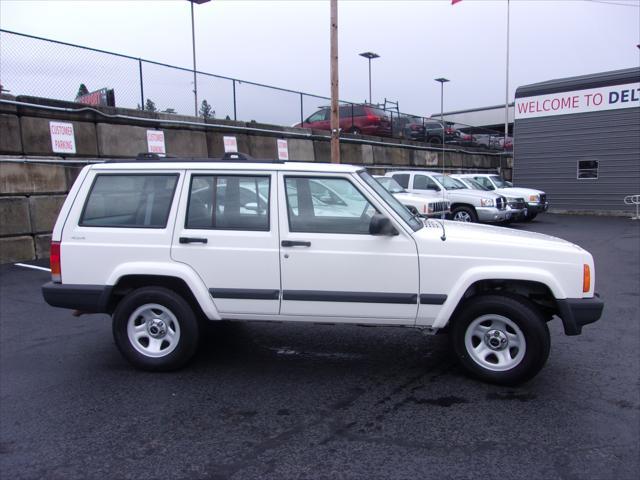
(34, 66)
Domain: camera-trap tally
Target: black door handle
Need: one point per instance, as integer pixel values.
(295, 243)
(193, 240)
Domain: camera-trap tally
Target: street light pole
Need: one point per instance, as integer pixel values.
(370, 56)
(442, 81)
(193, 43)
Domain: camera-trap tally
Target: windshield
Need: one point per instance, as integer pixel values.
(449, 183)
(397, 207)
(390, 184)
(499, 182)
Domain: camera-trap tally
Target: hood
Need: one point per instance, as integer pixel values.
(496, 238)
(518, 192)
(467, 192)
(418, 198)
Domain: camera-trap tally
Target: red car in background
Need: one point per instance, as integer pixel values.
(355, 119)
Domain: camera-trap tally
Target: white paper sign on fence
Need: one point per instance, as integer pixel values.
(63, 139)
(283, 149)
(155, 142)
(230, 144)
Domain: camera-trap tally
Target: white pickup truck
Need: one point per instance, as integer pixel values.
(466, 205)
(536, 199)
(423, 204)
(165, 245)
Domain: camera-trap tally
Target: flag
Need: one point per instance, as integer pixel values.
(453, 2)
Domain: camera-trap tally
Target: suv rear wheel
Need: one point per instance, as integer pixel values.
(501, 339)
(155, 329)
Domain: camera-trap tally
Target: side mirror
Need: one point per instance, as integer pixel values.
(381, 225)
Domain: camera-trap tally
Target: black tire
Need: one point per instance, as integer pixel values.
(175, 315)
(529, 217)
(463, 211)
(518, 310)
(435, 140)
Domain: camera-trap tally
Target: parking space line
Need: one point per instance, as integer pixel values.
(35, 267)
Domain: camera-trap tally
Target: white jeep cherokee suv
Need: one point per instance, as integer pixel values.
(164, 245)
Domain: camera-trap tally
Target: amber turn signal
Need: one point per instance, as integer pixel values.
(586, 278)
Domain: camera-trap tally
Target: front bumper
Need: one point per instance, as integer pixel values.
(492, 214)
(537, 207)
(577, 312)
(517, 213)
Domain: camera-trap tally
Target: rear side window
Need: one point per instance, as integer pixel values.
(349, 110)
(226, 202)
(129, 201)
(402, 179)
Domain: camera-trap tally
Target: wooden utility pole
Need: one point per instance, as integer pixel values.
(335, 112)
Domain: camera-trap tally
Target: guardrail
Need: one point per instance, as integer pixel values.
(633, 200)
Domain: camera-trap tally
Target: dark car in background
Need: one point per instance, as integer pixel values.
(409, 127)
(433, 132)
(355, 119)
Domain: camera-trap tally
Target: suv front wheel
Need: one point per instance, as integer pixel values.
(155, 329)
(501, 339)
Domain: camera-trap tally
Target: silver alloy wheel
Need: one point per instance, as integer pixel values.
(495, 342)
(462, 216)
(153, 330)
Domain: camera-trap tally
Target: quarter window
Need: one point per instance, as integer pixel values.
(588, 169)
(228, 202)
(129, 200)
(326, 205)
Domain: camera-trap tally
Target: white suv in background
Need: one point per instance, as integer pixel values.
(425, 204)
(536, 199)
(466, 205)
(166, 245)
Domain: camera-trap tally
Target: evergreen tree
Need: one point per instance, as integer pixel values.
(150, 106)
(205, 110)
(83, 90)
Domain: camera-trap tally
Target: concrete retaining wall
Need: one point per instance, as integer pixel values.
(31, 194)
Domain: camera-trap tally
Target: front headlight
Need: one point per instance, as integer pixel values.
(487, 202)
(534, 198)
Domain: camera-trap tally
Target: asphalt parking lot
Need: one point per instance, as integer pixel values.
(300, 401)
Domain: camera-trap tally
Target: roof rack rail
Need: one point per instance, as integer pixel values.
(151, 156)
(229, 157)
(237, 156)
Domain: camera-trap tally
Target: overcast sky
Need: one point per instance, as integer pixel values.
(286, 43)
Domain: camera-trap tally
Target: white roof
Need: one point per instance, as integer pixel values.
(213, 165)
(468, 175)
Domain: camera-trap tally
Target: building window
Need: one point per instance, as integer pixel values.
(587, 169)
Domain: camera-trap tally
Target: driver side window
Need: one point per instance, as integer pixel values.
(326, 205)
(318, 116)
(422, 182)
(485, 182)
